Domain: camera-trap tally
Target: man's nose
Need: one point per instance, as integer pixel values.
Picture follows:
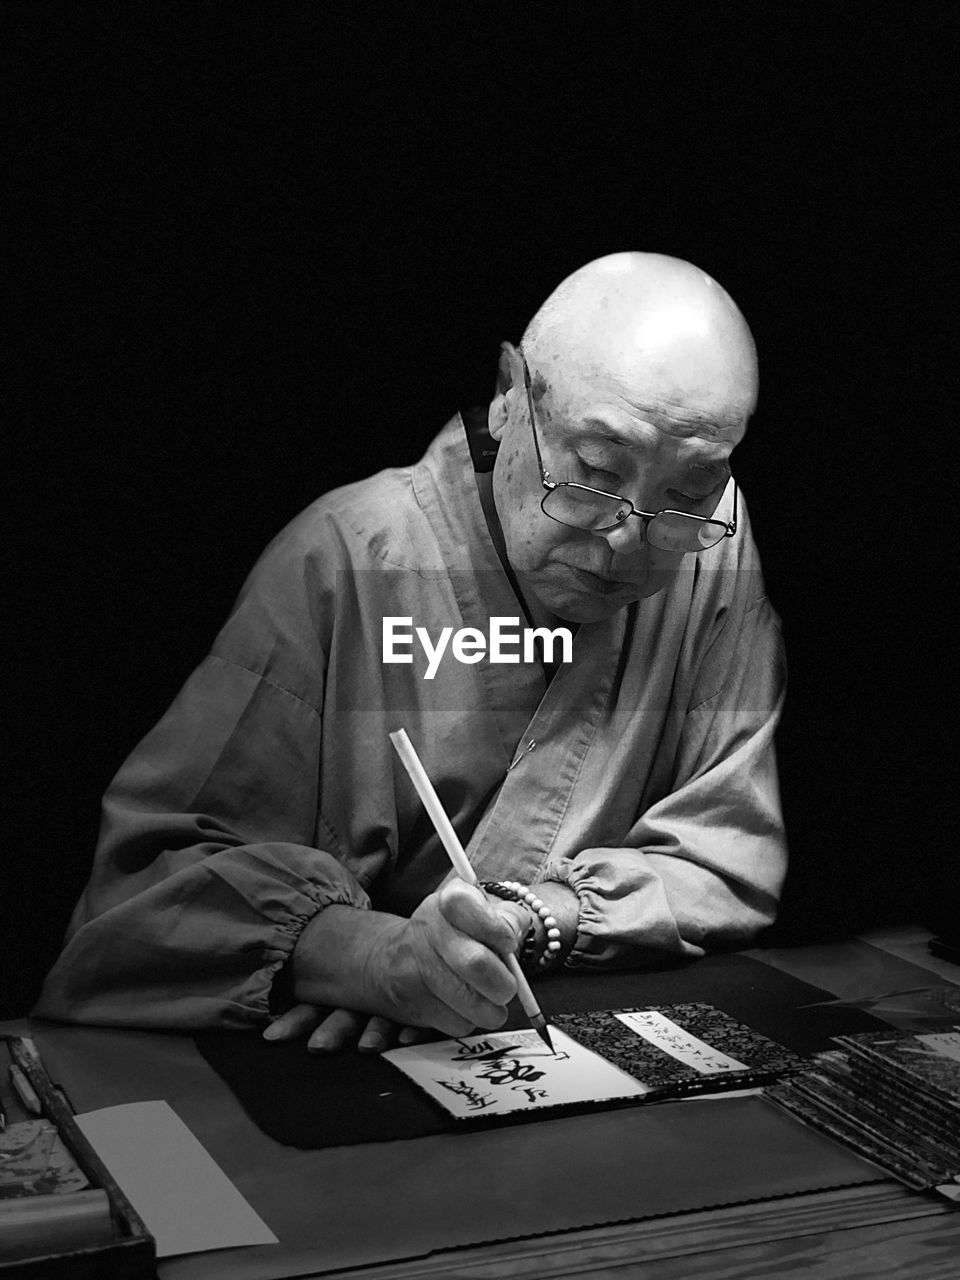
(626, 537)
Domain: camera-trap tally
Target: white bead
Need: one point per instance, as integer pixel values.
(553, 933)
(553, 945)
(543, 912)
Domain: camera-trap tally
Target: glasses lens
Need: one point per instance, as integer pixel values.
(673, 531)
(584, 508)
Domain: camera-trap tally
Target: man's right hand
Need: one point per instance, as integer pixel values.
(442, 968)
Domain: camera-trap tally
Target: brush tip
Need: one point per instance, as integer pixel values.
(540, 1024)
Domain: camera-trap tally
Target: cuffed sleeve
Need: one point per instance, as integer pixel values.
(210, 862)
(703, 866)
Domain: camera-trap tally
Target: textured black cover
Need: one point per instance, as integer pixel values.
(602, 1031)
(902, 1058)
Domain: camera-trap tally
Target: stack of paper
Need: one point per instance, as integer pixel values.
(894, 1096)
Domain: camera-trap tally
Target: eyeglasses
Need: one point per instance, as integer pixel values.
(581, 507)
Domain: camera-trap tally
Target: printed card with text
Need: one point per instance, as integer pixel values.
(681, 1049)
(501, 1073)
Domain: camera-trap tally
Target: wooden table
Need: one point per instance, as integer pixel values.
(882, 1229)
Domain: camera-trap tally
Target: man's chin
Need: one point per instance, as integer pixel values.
(655, 581)
(586, 611)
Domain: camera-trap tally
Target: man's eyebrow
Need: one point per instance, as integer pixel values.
(716, 470)
(600, 429)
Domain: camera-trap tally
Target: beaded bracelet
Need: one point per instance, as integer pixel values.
(513, 891)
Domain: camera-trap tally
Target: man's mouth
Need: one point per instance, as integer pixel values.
(597, 582)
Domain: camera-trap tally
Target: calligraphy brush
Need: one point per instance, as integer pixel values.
(451, 842)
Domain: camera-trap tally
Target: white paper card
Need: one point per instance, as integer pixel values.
(671, 1038)
(945, 1042)
(186, 1200)
(502, 1072)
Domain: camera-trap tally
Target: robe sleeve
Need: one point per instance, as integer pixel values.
(213, 851)
(703, 866)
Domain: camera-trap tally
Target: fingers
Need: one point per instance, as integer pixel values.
(458, 968)
(442, 968)
(343, 1028)
(296, 1022)
(377, 1035)
(460, 1009)
(339, 1030)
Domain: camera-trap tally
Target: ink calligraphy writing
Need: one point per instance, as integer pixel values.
(473, 1098)
(669, 1036)
(498, 1074)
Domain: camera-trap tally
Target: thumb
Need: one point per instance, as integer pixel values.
(513, 916)
(517, 917)
(491, 921)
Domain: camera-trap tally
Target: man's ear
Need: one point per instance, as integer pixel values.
(509, 375)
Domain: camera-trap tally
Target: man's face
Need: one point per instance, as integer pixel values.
(658, 445)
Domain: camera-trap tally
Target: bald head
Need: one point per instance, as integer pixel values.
(645, 320)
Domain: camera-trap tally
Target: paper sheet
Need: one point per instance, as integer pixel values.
(667, 1035)
(186, 1200)
(501, 1072)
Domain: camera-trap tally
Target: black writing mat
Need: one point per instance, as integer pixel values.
(325, 1100)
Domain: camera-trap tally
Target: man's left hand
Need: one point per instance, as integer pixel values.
(341, 1029)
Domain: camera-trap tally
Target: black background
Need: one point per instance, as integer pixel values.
(261, 250)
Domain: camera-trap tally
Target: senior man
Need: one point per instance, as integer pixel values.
(263, 857)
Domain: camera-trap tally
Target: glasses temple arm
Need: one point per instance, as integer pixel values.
(533, 426)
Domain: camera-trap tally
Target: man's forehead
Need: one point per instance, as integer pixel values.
(702, 388)
(715, 413)
(696, 439)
